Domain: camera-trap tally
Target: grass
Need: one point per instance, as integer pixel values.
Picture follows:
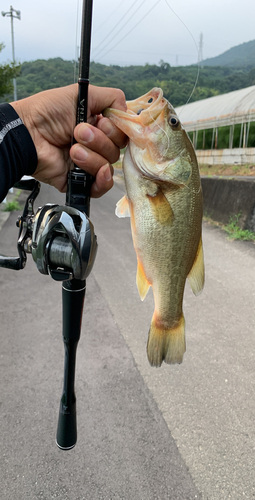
(227, 170)
(235, 232)
(10, 206)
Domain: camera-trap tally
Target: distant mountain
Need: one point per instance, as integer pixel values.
(176, 82)
(241, 55)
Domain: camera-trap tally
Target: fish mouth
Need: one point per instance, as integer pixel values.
(152, 101)
(142, 111)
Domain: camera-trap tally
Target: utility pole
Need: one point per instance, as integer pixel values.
(18, 16)
(200, 48)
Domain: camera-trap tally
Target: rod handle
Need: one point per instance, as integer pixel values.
(67, 426)
(73, 295)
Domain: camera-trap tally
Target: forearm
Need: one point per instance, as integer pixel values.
(17, 151)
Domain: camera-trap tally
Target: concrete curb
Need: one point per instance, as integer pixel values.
(225, 197)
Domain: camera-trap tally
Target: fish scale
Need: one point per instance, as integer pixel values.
(164, 201)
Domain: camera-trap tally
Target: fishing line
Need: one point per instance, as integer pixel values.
(76, 57)
(198, 68)
(166, 149)
(193, 90)
(167, 136)
(76, 54)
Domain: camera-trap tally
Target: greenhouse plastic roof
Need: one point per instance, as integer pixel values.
(221, 110)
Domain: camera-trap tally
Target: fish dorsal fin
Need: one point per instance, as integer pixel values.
(196, 275)
(122, 208)
(142, 283)
(161, 208)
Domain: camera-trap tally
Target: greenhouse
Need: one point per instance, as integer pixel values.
(222, 128)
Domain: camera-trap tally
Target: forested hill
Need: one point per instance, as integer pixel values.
(176, 82)
(241, 55)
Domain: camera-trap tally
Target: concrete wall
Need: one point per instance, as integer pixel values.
(224, 197)
(239, 156)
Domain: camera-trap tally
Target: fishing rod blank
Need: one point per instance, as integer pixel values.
(73, 291)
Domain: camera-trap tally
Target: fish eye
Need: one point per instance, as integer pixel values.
(173, 121)
(150, 100)
(139, 112)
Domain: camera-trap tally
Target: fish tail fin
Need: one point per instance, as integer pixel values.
(166, 344)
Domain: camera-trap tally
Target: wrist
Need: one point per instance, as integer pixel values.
(22, 109)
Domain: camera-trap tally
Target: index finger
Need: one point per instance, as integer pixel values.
(104, 97)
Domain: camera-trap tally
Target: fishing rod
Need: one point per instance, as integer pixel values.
(73, 291)
(63, 244)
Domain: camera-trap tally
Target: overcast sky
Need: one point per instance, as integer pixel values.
(48, 29)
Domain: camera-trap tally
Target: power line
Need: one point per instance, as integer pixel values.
(104, 54)
(121, 28)
(117, 25)
(105, 20)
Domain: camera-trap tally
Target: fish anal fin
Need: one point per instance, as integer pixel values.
(122, 208)
(166, 343)
(142, 283)
(196, 275)
(161, 208)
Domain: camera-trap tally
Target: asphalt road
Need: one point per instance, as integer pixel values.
(177, 432)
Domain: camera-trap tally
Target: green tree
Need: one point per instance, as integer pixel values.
(177, 82)
(7, 73)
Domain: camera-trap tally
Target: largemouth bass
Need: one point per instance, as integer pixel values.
(164, 201)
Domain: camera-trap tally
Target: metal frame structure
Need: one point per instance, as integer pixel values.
(231, 115)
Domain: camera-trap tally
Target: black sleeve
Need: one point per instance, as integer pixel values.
(17, 151)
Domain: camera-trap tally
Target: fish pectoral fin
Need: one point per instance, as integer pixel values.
(122, 208)
(142, 283)
(196, 275)
(161, 208)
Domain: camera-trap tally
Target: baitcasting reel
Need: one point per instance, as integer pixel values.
(61, 239)
(62, 242)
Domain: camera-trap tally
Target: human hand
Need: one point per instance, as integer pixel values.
(50, 118)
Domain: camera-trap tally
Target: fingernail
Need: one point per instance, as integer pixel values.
(107, 172)
(86, 134)
(80, 154)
